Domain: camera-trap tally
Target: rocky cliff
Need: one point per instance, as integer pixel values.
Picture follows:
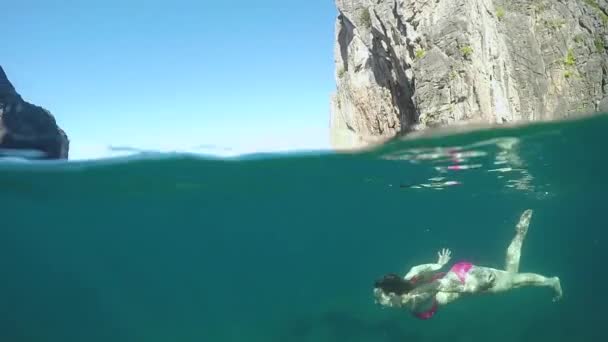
(404, 65)
(24, 126)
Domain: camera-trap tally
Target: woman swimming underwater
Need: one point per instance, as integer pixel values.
(423, 289)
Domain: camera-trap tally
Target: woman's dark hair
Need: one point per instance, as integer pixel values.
(393, 283)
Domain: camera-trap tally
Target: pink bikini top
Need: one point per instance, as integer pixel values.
(461, 270)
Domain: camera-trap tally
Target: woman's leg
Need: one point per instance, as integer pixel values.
(514, 250)
(537, 280)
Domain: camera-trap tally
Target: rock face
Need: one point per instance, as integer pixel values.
(24, 126)
(404, 65)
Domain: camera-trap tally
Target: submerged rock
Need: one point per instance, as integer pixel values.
(404, 65)
(24, 126)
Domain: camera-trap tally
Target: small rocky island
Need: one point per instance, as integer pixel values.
(404, 65)
(24, 126)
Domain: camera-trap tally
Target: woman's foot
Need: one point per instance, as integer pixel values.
(557, 287)
(524, 223)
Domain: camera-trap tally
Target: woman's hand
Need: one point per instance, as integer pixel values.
(444, 256)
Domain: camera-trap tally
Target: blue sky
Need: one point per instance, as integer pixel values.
(250, 75)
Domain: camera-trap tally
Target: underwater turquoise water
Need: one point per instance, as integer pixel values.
(287, 247)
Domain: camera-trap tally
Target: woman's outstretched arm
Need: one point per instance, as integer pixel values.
(443, 258)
